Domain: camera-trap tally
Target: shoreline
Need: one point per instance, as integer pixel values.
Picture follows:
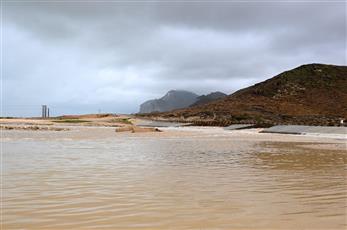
(43, 130)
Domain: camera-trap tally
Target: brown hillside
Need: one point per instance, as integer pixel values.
(313, 94)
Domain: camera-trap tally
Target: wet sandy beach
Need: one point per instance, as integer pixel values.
(181, 178)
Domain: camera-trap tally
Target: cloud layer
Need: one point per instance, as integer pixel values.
(80, 57)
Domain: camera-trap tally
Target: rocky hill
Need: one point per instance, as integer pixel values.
(204, 99)
(313, 94)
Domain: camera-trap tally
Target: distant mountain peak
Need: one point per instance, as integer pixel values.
(178, 99)
(204, 99)
(173, 99)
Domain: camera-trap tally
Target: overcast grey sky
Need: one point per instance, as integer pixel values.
(78, 57)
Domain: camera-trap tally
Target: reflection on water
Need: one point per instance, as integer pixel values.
(179, 183)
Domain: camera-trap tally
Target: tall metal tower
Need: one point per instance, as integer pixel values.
(45, 111)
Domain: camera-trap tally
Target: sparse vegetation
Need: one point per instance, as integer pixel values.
(122, 120)
(73, 120)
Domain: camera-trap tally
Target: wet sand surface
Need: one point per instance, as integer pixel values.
(182, 178)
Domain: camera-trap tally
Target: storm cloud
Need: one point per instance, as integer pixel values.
(79, 57)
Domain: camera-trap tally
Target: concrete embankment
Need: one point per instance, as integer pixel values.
(239, 126)
(150, 123)
(303, 129)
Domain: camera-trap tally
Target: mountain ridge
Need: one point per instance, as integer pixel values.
(173, 99)
(178, 99)
(204, 99)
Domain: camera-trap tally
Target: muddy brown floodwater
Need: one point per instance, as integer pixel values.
(92, 178)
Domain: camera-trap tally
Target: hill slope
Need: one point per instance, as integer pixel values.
(313, 94)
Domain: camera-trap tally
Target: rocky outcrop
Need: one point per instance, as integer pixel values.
(32, 128)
